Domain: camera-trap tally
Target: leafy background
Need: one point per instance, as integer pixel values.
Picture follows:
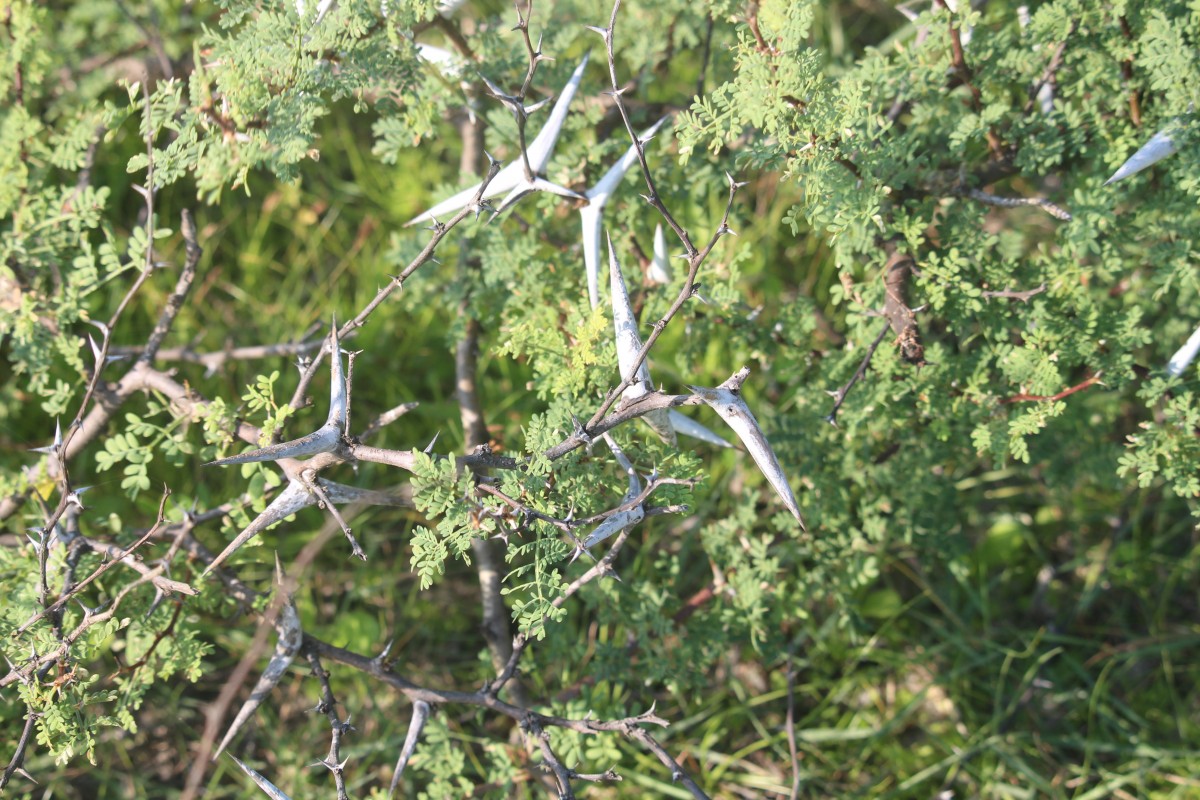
(994, 598)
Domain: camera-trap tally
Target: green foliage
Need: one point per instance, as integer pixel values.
(995, 595)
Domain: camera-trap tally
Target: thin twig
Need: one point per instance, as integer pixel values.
(15, 764)
(440, 230)
(535, 57)
(1135, 104)
(101, 570)
(562, 775)
(182, 287)
(839, 396)
(328, 706)
(695, 256)
(1052, 67)
(1056, 211)
(959, 61)
(895, 306)
(213, 361)
(1037, 398)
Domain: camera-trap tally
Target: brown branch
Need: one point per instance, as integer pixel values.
(759, 42)
(496, 630)
(214, 360)
(641, 735)
(632, 728)
(895, 309)
(562, 775)
(1135, 104)
(1052, 67)
(16, 763)
(156, 576)
(695, 256)
(158, 639)
(1033, 398)
(535, 57)
(965, 74)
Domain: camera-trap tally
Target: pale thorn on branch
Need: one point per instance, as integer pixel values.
(323, 7)
(1161, 145)
(684, 424)
(298, 495)
(1184, 355)
(448, 8)
(420, 715)
(287, 626)
(621, 519)
(324, 439)
(666, 423)
(591, 214)
(727, 401)
(629, 344)
(1045, 93)
(269, 789)
(966, 31)
(441, 59)
(660, 263)
(512, 178)
(55, 448)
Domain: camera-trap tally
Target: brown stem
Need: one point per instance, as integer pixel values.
(966, 75)
(1034, 398)
(1135, 103)
(899, 315)
(1051, 68)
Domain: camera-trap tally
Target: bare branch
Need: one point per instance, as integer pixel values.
(101, 570)
(284, 618)
(1041, 398)
(839, 396)
(182, 286)
(328, 706)
(1056, 211)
